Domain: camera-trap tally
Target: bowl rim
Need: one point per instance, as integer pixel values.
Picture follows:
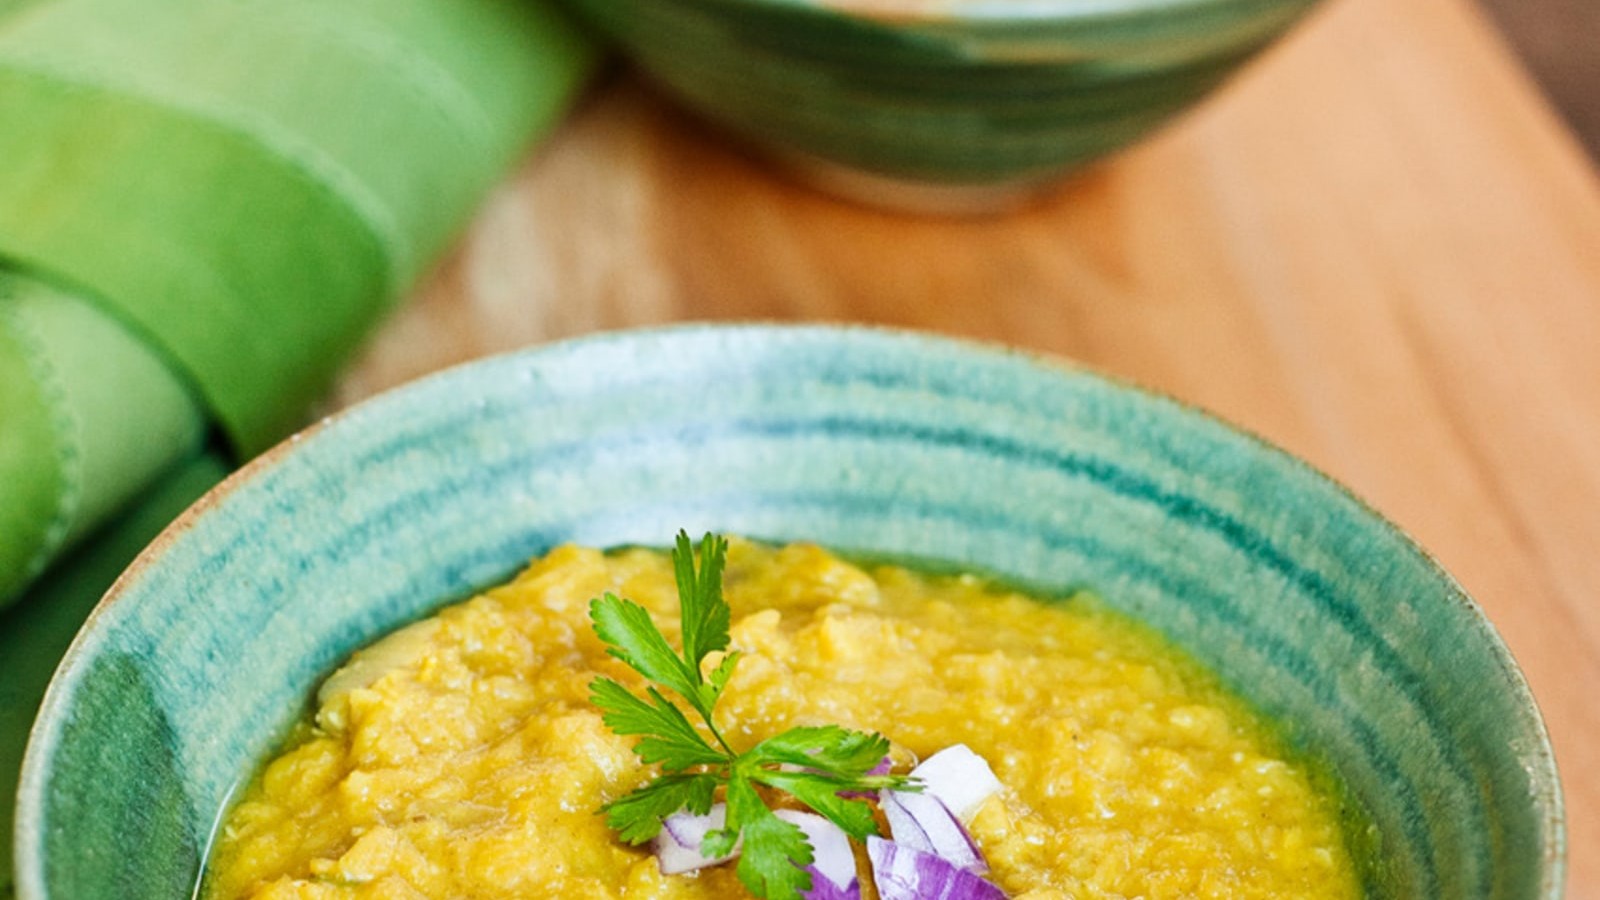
(43, 736)
(990, 12)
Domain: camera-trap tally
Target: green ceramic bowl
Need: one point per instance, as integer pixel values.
(1302, 598)
(967, 101)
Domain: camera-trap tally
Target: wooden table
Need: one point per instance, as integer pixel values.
(1378, 248)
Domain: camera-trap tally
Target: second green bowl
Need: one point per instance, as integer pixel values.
(940, 104)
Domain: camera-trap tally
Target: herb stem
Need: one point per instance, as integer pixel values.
(732, 754)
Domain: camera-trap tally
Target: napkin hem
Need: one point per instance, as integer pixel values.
(68, 450)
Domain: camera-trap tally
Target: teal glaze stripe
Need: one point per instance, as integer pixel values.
(1016, 120)
(984, 139)
(1017, 95)
(979, 93)
(931, 80)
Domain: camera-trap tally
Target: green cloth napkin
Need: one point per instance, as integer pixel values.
(236, 190)
(89, 416)
(204, 207)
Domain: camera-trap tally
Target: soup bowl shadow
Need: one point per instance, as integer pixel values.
(1324, 616)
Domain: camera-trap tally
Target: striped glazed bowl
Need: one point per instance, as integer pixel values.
(1300, 597)
(945, 104)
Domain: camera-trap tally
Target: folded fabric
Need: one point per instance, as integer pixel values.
(205, 204)
(89, 416)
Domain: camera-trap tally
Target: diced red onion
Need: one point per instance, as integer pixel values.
(833, 864)
(922, 822)
(905, 873)
(677, 847)
(959, 777)
(823, 889)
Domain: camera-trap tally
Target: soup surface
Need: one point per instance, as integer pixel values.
(460, 757)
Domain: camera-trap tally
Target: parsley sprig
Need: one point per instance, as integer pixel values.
(815, 765)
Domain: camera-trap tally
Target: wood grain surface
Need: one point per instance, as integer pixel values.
(1378, 248)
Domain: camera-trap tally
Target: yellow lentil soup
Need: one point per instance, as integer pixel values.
(461, 758)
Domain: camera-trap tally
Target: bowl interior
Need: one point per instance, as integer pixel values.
(1300, 597)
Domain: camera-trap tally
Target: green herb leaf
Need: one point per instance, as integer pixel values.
(773, 862)
(633, 638)
(719, 842)
(720, 676)
(822, 794)
(829, 748)
(669, 738)
(704, 613)
(637, 817)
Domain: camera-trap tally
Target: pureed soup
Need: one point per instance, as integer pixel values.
(462, 756)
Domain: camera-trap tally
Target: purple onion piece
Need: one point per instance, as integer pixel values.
(677, 847)
(922, 822)
(905, 873)
(959, 777)
(833, 863)
(823, 889)
(903, 826)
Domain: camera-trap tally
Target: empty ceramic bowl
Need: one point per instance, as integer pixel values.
(1304, 601)
(940, 103)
